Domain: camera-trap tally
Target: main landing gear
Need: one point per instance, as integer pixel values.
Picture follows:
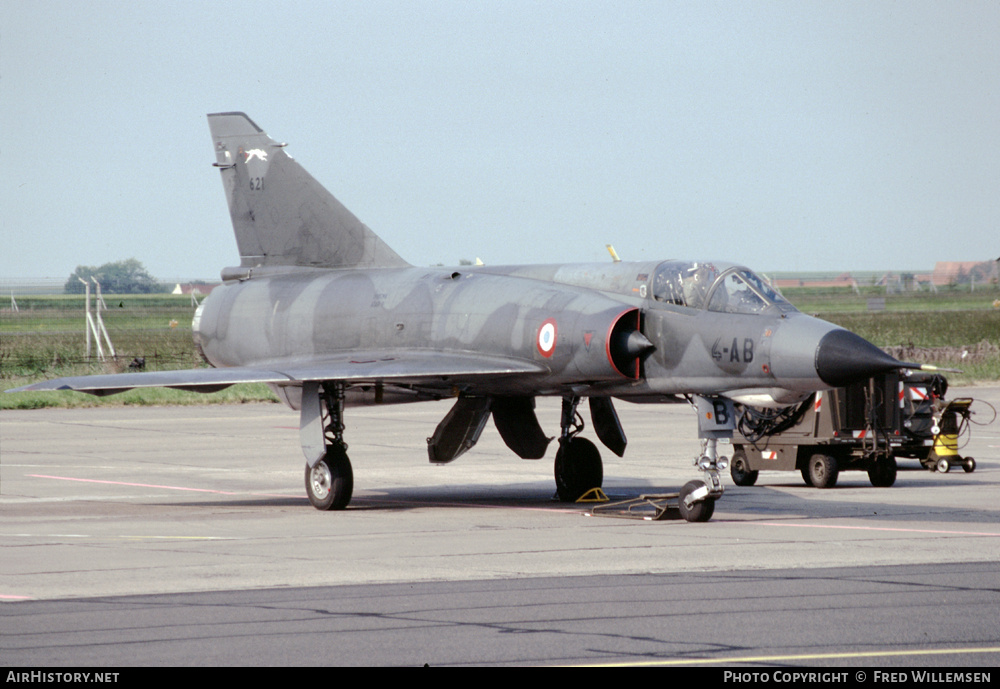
(329, 478)
(578, 466)
(330, 482)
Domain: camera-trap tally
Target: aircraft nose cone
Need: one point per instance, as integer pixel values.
(843, 358)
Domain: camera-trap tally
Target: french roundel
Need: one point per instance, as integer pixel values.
(547, 338)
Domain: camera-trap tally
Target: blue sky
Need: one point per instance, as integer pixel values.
(784, 135)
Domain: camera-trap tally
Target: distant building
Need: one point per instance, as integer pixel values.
(842, 280)
(960, 272)
(945, 273)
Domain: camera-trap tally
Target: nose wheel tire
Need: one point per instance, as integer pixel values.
(700, 511)
(330, 482)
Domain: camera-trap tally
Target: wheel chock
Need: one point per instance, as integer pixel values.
(594, 495)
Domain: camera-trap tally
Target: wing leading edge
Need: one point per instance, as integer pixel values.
(408, 367)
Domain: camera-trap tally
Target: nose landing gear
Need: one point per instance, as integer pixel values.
(716, 419)
(697, 498)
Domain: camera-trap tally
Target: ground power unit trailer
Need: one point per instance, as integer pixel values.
(865, 426)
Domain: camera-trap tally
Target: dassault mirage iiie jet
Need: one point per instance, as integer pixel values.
(326, 314)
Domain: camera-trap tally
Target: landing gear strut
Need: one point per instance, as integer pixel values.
(716, 419)
(578, 466)
(697, 498)
(329, 478)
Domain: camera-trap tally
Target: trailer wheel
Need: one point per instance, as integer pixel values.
(805, 475)
(882, 473)
(969, 465)
(739, 469)
(823, 471)
(942, 465)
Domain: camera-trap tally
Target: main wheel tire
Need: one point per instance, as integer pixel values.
(740, 471)
(330, 482)
(882, 474)
(699, 511)
(823, 471)
(578, 468)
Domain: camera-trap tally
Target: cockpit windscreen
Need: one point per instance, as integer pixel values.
(720, 287)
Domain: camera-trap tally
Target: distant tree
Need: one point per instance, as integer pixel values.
(118, 277)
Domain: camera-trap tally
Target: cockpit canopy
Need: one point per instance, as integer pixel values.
(718, 286)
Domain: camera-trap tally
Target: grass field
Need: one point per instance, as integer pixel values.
(45, 339)
(954, 328)
(845, 300)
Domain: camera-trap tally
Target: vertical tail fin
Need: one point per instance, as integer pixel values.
(281, 215)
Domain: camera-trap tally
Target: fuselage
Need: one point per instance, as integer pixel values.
(572, 320)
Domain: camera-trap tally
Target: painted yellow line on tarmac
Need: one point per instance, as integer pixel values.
(740, 660)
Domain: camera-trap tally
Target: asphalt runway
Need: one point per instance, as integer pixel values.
(182, 536)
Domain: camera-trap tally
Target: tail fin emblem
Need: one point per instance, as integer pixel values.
(257, 153)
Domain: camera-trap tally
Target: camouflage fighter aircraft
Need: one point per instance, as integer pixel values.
(329, 316)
